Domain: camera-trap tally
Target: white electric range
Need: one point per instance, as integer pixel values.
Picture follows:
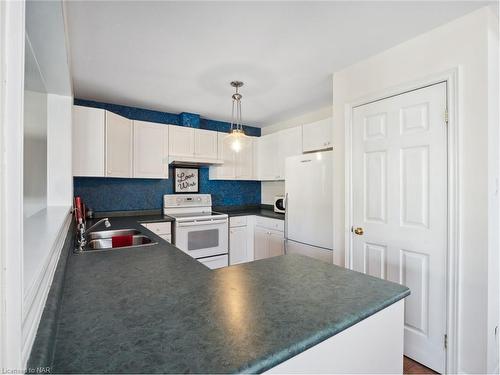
(198, 231)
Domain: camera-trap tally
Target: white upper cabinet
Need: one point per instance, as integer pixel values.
(118, 146)
(272, 151)
(236, 165)
(225, 171)
(150, 150)
(243, 160)
(317, 135)
(181, 141)
(205, 144)
(289, 144)
(88, 141)
(190, 144)
(267, 154)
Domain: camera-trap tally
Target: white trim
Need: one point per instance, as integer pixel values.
(452, 79)
(11, 205)
(36, 297)
(2, 283)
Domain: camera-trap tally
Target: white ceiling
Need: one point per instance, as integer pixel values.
(181, 56)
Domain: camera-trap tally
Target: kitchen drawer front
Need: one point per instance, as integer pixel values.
(237, 221)
(159, 227)
(167, 237)
(269, 223)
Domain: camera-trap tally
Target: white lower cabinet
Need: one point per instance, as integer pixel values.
(238, 245)
(261, 243)
(254, 237)
(276, 243)
(268, 242)
(240, 239)
(161, 228)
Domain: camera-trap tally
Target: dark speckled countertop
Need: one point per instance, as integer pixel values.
(156, 310)
(263, 210)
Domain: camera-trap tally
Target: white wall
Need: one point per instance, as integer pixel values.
(35, 135)
(305, 118)
(11, 201)
(269, 189)
(493, 194)
(462, 43)
(47, 181)
(59, 174)
(35, 152)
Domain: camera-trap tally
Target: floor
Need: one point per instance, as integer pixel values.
(412, 367)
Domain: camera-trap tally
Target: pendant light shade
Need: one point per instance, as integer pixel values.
(236, 137)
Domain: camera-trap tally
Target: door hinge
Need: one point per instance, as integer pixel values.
(446, 341)
(446, 116)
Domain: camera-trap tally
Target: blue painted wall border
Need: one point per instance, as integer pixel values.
(124, 194)
(182, 119)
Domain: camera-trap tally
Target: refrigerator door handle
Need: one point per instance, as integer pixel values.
(285, 203)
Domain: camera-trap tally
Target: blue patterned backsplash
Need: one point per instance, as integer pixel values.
(125, 194)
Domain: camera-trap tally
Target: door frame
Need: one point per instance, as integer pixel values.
(451, 78)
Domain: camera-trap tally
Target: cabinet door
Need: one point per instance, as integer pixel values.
(289, 144)
(276, 243)
(261, 243)
(267, 157)
(181, 141)
(118, 146)
(244, 160)
(150, 150)
(205, 144)
(238, 245)
(317, 135)
(88, 141)
(225, 171)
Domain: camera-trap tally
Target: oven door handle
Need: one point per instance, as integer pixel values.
(201, 222)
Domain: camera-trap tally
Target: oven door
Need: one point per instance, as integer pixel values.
(202, 238)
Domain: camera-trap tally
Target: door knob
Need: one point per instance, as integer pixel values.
(359, 231)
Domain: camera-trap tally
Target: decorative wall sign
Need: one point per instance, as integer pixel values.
(186, 180)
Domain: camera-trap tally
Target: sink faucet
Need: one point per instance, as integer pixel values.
(82, 232)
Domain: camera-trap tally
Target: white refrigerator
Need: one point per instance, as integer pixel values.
(308, 205)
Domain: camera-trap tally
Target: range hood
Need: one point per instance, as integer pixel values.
(192, 161)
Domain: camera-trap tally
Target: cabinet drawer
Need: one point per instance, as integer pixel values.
(266, 222)
(238, 221)
(159, 228)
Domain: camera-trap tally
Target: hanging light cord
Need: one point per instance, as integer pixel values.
(236, 122)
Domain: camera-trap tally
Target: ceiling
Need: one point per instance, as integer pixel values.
(181, 56)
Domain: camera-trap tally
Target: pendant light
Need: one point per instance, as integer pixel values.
(236, 137)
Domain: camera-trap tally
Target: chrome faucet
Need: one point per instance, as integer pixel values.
(82, 232)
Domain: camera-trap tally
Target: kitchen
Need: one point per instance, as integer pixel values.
(173, 201)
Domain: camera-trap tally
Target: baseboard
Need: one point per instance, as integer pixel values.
(34, 301)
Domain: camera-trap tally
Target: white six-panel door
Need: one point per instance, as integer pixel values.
(399, 169)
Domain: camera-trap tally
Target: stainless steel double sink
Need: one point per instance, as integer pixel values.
(103, 240)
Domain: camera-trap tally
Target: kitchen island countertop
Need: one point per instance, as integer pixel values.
(154, 309)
